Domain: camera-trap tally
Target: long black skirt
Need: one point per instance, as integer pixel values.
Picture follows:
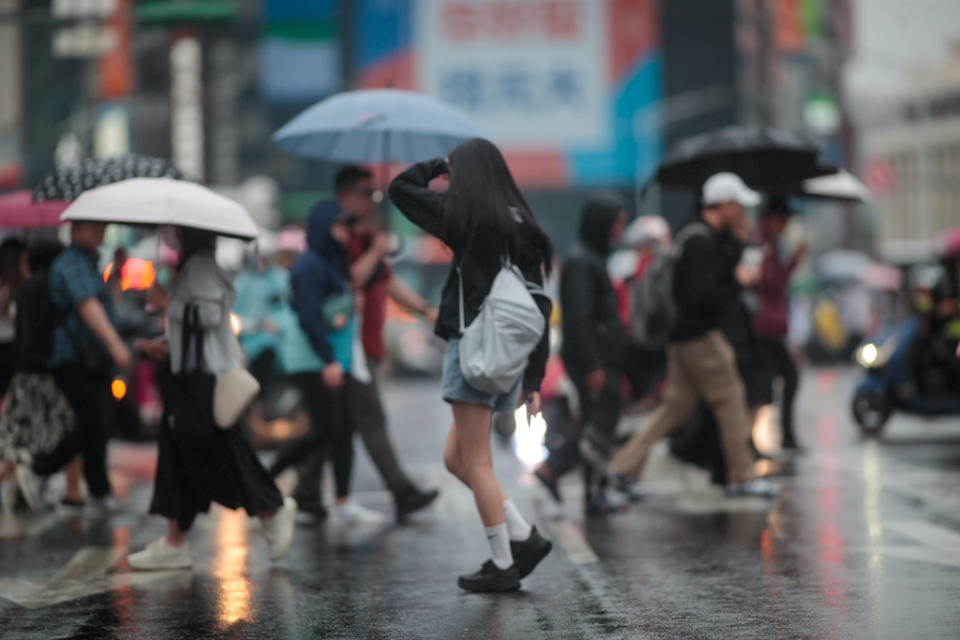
(226, 471)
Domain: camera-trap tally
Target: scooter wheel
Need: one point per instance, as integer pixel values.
(871, 411)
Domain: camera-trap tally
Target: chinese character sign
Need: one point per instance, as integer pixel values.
(531, 72)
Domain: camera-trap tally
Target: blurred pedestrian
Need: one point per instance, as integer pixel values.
(262, 297)
(771, 323)
(594, 347)
(700, 360)
(318, 354)
(86, 351)
(486, 221)
(699, 441)
(13, 271)
(644, 365)
(198, 462)
(945, 310)
(372, 276)
(36, 415)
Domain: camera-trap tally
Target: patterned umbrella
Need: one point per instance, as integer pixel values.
(69, 182)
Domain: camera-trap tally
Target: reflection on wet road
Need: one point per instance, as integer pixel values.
(864, 543)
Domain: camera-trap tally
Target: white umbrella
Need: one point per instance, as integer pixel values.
(841, 185)
(162, 201)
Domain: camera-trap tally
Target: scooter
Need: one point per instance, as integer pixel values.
(889, 383)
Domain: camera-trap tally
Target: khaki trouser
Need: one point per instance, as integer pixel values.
(704, 367)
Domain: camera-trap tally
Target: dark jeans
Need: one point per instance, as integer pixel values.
(600, 411)
(330, 426)
(370, 421)
(779, 363)
(94, 414)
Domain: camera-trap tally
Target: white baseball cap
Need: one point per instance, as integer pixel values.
(728, 187)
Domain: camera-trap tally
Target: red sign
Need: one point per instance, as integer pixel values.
(552, 20)
(880, 176)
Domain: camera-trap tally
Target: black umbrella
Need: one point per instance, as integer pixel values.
(764, 157)
(67, 183)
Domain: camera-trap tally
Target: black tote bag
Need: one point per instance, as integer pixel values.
(190, 402)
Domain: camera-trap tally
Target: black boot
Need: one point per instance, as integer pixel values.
(491, 579)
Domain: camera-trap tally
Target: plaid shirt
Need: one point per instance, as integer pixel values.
(74, 278)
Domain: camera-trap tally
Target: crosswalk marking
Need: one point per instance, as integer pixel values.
(86, 574)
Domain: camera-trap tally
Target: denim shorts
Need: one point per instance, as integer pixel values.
(456, 389)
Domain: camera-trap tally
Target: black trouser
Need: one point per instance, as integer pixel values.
(330, 425)
(94, 413)
(370, 421)
(600, 413)
(645, 369)
(779, 363)
(264, 367)
(8, 364)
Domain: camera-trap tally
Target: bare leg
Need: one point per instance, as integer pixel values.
(175, 536)
(6, 470)
(471, 434)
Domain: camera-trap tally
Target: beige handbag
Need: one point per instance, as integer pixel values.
(233, 393)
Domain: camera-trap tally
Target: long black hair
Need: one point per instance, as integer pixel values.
(482, 203)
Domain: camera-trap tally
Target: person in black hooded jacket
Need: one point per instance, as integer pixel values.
(594, 343)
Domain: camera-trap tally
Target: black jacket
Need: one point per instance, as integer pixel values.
(424, 208)
(593, 336)
(703, 284)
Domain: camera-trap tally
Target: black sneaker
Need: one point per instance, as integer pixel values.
(413, 500)
(491, 579)
(628, 488)
(602, 507)
(312, 508)
(528, 553)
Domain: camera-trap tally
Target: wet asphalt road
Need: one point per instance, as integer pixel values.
(864, 543)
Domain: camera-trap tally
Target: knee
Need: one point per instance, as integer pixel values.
(451, 460)
(472, 466)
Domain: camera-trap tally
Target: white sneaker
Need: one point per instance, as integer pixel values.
(104, 505)
(758, 488)
(278, 530)
(32, 486)
(352, 513)
(159, 555)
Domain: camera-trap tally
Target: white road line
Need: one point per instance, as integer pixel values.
(571, 540)
(928, 534)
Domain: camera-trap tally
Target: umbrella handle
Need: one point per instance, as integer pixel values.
(384, 200)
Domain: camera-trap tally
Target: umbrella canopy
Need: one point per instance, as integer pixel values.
(765, 158)
(376, 126)
(841, 185)
(162, 201)
(843, 265)
(18, 210)
(69, 182)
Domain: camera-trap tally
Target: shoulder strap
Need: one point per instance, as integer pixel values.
(688, 232)
(191, 334)
(460, 288)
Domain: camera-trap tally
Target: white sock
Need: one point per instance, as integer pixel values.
(499, 541)
(518, 527)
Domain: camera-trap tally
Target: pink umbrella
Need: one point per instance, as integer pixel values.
(18, 210)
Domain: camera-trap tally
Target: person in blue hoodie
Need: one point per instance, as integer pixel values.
(317, 348)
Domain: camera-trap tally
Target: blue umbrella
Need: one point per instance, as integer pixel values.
(376, 126)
